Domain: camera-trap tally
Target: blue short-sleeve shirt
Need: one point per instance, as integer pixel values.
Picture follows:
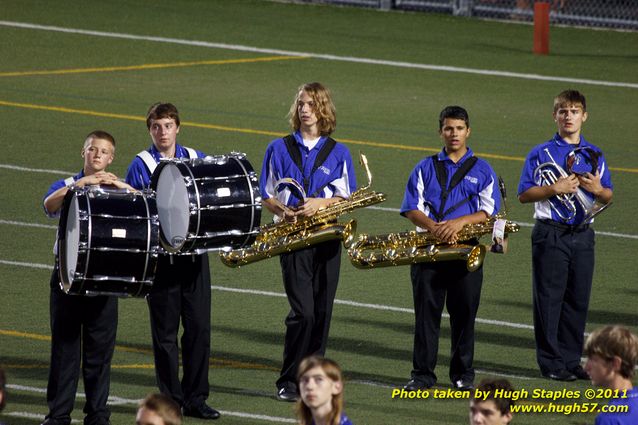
(139, 176)
(558, 149)
(335, 177)
(629, 417)
(479, 186)
(57, 185)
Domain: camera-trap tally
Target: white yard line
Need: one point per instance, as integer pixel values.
(369, 61)
(114, 400)
(350, 303)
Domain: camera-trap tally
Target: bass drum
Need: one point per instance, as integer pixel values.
(108, 242)
(207, 204)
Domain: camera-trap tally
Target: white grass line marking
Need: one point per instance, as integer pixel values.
(113, 400)
(39, 417)
(20, 223)
(524, 224)
(36, 170)
(258, 417)
(396, 210)
(398, 64)
(22, 264)
(282, 295)
(370, 306)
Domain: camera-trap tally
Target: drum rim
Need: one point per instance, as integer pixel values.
(77, 286)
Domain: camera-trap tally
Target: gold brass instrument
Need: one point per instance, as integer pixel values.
(278, 238)
(397, 249)
(547, 174)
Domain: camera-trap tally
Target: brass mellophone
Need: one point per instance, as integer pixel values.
(548, 173)
(278, 238)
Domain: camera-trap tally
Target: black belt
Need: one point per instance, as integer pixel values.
(566, 227)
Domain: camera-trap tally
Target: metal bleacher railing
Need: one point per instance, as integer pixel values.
(617, 14)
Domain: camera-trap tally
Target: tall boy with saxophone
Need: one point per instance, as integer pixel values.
(309, 157)
(444, 193)
(563, 177)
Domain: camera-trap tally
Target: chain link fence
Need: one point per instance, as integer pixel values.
(618, 14)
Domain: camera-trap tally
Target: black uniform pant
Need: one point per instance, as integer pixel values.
(181, 291)
(563, 268)
(310, 278)
(83, 330)
(433, 286)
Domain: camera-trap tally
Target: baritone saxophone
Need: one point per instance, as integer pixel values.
(404, 248)
(282, 237)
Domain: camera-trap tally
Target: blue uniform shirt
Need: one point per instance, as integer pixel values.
(139, 176)
(335, 177)
(57, 185)
(559, 149)
(622, 418)
(423, 191)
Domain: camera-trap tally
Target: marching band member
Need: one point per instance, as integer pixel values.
(487, 407)
(158, 409)
(321, 389)
(562, 241)
(324, 167)
(181, 288)
(445, 192)
(83, 328)
(612, 357)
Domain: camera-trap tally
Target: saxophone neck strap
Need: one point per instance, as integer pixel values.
(295, 154)
(441, 177)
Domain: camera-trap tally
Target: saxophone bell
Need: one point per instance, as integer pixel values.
(282, 237)
(405, 248)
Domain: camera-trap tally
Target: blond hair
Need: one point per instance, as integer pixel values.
(324, 109)
(98, 134)
(614, 341)
(164, 407)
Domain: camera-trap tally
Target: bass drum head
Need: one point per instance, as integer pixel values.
(172, 206)
(69, 245)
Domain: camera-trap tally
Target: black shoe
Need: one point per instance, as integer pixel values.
(287, 392)
(560, 375)
(202, 411)
(463, 385)
(416, 384)
(580, 373)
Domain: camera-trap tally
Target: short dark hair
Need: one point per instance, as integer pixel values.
(489, 386)
(570, 97)
(454, 112)
(160, 110)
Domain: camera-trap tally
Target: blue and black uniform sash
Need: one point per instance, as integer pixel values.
(441, 176)
(295, 154)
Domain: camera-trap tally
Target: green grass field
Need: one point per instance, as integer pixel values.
(56, 86)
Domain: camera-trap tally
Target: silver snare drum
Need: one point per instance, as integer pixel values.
(207, 204)
(108, 242)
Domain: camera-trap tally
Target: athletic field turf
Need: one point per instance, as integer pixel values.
(232, 67)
